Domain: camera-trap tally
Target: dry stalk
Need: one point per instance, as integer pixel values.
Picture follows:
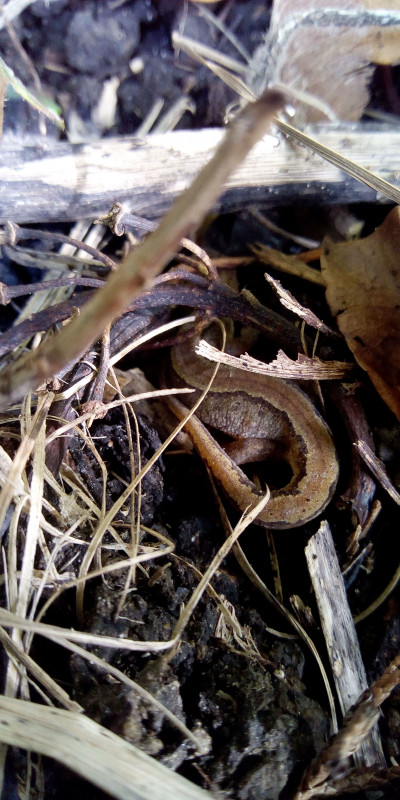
(290, 265)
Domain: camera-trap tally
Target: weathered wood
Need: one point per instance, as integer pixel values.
(56, 181)
(327, 49)
(340, 634)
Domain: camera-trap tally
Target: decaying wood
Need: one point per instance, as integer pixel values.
(327, 49)
(45, 181)
(340, 634)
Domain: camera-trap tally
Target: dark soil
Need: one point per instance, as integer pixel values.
(259, 703)
(76, 46)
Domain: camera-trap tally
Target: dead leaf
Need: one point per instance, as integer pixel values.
(363, 292)
(289, 301)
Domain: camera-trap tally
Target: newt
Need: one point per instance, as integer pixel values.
(266, 417)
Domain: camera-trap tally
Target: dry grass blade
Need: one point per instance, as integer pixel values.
(37, 673)
(389, 588)
(293, 622)
(47, 107)
(243, 523)
(5, 466)
(22, 455)
(72, 389)
(11, 10)
(279, 607)
(82, 233)
(33, 526)
(201, 51)
(150, 335)
(60, 634)
(266, 222)
(53, 635)
(105, 519)
(213, 19)
(21, 596)
(355, 170)
(100, 756)
(215, 62)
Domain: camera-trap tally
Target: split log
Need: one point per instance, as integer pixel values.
(56, 181)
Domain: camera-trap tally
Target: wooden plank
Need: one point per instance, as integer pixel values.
(56, 181)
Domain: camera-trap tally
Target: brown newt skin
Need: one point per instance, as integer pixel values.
(266, 416)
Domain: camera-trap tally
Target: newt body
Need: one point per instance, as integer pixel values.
(265, 416)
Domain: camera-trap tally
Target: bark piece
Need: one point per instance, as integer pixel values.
(327, 49)
(340, 633)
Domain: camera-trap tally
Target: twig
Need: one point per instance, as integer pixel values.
(357, 725)
(8, 293)
(13, 233)
(290, 265)
(144, 263)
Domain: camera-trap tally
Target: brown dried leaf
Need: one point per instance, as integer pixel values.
(363, 292)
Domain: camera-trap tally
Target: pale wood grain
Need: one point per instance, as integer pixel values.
(340, 634)
(61, 182)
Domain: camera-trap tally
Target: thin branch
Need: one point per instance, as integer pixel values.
(12, 233)
(144, 263)
(8, 293)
